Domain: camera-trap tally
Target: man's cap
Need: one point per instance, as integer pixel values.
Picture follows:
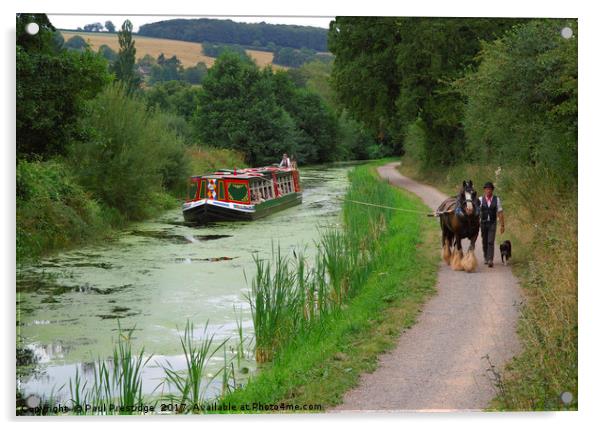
(488, 185)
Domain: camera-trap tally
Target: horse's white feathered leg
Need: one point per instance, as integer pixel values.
(456, 260)
(469, 262)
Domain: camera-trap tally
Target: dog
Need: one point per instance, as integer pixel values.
(506, 251)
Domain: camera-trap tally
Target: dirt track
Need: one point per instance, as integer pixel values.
(439, 363)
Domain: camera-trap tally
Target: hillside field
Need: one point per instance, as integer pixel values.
(188, 53)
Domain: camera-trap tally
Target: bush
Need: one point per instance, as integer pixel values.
(129, 154)
(522, 100)
(53, 211)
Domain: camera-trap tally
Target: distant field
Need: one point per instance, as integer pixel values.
(188, 53)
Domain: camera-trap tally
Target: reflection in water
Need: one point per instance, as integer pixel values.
(153, 278)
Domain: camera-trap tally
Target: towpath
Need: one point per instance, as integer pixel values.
(440, 363)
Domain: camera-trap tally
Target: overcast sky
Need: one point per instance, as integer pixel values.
(71, 22)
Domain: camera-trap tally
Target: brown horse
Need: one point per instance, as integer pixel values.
(459, 218)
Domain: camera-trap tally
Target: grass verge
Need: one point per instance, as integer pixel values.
(319, 364)
(541, 221)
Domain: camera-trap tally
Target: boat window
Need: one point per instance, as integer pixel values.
(238, 191)
(220, 190)
(192, 189)
(203, 193)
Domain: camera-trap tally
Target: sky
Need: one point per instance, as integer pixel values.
(72, 21)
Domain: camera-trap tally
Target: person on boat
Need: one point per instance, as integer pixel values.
(257, 197)
(286, 162)
(293, 162)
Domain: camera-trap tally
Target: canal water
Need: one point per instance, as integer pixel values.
(153, 278)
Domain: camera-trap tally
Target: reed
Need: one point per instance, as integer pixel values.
(192, 383)
(393, 270)
(288, 297)
(117, 382)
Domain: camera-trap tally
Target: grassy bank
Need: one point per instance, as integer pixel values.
(541, 221)
(323, 358)
(56, 212)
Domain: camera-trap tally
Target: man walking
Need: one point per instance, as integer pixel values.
(491, 211)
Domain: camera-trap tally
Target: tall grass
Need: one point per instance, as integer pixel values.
(288, 296)
(541, 220)
(192, 383)
(117, 384)
(205, 159)
(392, 268)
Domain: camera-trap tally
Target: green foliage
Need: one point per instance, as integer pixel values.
(53, 210)
(192, 384)
(117, 384)
(293, 57)
(174, 96)
(76, 43)
(124, 66)
(415, 143)
(541, 222)
(196, 74)
(263, 114)
(94, 27)
(110, 26)
(206, 160)
(316, 123)
(522, 100)
(388, 71)
(323, 360)
(315, 76)
(166, 69)
(356, 142)
(129, 154)
(217, 49)
(41, 42)
(229, 32)
(239, 111)
(108, 53)
(63, 81)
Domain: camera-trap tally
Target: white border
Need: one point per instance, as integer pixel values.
(589, 159)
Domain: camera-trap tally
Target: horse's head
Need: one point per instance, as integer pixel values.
(468, 197)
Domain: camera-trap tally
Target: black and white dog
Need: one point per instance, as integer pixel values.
(506, 251)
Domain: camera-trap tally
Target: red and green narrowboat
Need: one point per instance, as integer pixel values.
(247, 194)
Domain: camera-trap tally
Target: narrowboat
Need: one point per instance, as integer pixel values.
(245, 194)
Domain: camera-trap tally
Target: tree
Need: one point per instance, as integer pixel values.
(124, 66)
(166, 69)
(52, 86)
(110, 26)
(176, 97)
(522, 100)
(128, 153)
(76, 43)
(95, 26)
(196, 74)
(238, 110)
(390, 71)
(107, 52)
(316, 123)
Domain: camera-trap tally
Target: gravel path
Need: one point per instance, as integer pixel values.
(439, 363)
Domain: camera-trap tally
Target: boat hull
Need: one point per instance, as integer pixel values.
(205, 211)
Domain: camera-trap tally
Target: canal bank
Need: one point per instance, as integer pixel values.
(154, 277)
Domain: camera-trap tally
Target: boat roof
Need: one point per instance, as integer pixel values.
(248, 173)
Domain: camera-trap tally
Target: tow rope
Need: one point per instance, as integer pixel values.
(430, 214)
